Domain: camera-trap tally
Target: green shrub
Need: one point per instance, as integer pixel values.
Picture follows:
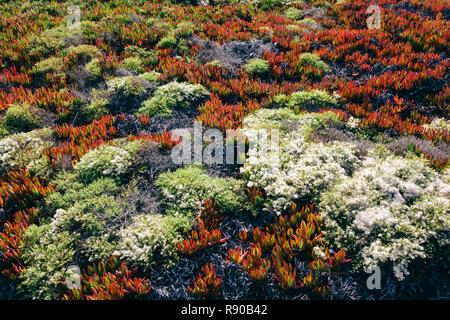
(50, 41)
(151, 238)
(106, 161)
(24, 149)
(49, 65)
(151, 76)
(293, 13)
(69, 190)
(173, 96)
(311, 100)
(46, 259)
(167, 42)
(301, 170)
(257, 67)
(126, 86)
(84, 52)
(391, 212)
(94, 68)
(184, 190)
(313, 60)
(96, 109)
(18, 118)
(133, 64)
(135, 51)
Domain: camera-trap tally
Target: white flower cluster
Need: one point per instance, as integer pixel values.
(23, 149)
(149, 237)
(108, 161)
(388, 212)
(438, 124)
(304, 168)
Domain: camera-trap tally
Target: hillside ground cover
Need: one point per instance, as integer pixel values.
(91, 93)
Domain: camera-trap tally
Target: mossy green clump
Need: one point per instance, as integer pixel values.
(84, 52)
(313, 60)
(173, 96)
(151, 76)
(311, 100)
(184, 190)
(50, 41)
(19, 118)
(49, 65)
(94, 68)
(135, 51)
(257, 66)
(167, 42)
(293, 13)
(133, 64)
(96, 109)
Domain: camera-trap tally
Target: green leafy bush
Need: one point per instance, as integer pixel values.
(94, 68)
(167, 42)
(50, 41)
(126, 86)
(151, 238)
(173, 96)
(96, 109)
(293, 13)
(49, 65)
(135, 51)
(313, 60)
(257, 66)
(311, 100)
(46, 259)
(18, 118)
(184, 190)
(106, 161)
(133, 64)
(69, 190)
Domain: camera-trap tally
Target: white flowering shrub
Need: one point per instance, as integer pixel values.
(23, 149)
(126, 86)
(390, 212)
(304, 169)
(184, 190)
(150, 238)
(106, 161)
(46, 258)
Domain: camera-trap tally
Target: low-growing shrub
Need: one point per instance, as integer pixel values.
(313, 60)
(167, 42)
(24, 149)
(49, 65)
(257, 66)
(311, 100)
(151, 238)
(96, 109)
(302, 169)
(106, 161)
(184, 190)
(133, 64)
(293, 13)
(18, 118)
(174, 96)
(94, 68)
(46, 259)
(391, 212)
